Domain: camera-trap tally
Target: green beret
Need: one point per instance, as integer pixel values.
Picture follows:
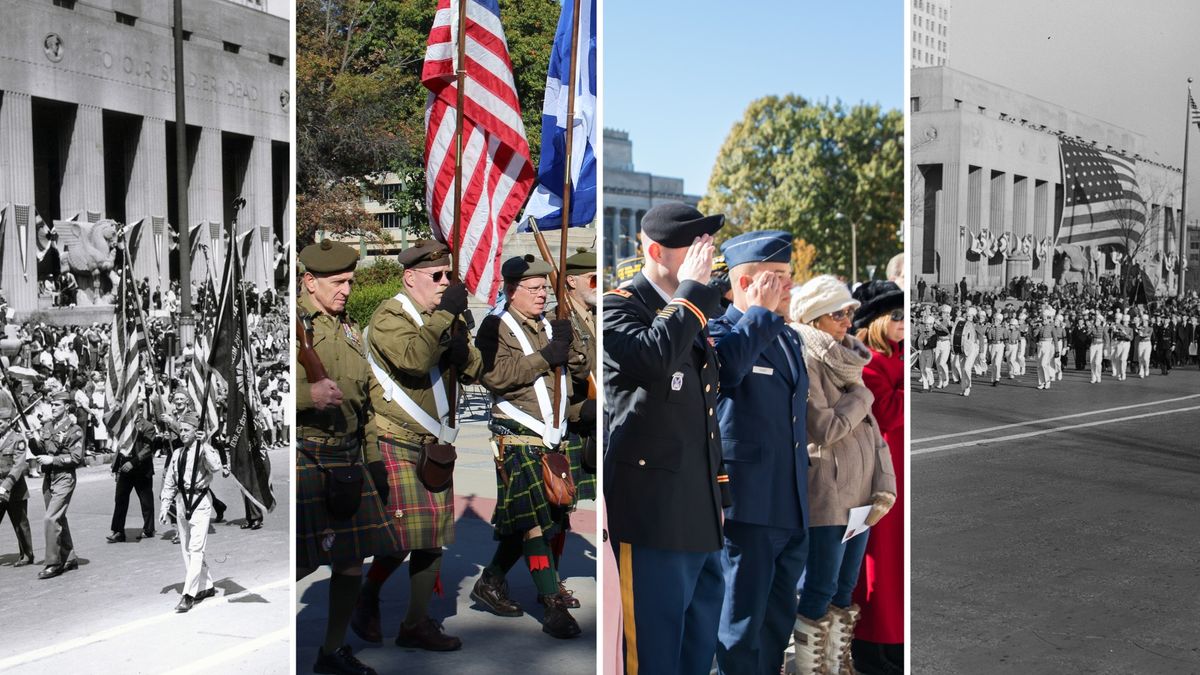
(518, 268)
(328, 257)
(583, 262)
(424, 253)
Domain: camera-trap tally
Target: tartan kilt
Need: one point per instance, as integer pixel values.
(521, 505)
(585, 483)
(420, 519)
(365, 534)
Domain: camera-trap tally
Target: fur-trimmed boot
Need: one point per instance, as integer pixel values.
(841, 634)
(812, 645)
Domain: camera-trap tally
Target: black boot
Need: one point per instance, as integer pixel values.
(557, 621)
(491, 591)
(870, 658)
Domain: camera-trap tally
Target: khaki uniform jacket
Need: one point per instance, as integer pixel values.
(339, 345)
(63, 440)
(408, 352)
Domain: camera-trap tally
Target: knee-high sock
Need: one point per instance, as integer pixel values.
(343, 595)
(423, 569)
(508, 552)
(537, 555)
(381, 569)
(557, 544)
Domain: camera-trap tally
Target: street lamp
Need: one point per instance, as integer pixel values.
(853, 245)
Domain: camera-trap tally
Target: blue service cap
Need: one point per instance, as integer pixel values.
(758, 246)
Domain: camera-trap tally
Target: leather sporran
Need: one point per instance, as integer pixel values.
(557, 480)
(343, 490)
(435, 466)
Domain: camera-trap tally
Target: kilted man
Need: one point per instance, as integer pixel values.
(335, 428)
(521, 352)
(133, 469)
(965, 349)
(415, 341)
(61, 442)
(762, 411)
(185, 484)
(663, 472)
(14, 492)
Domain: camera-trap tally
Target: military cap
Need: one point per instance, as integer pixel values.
(189, 417)
(583, 262)
(60, 395)
(758, 246)
(676, 225)
(424, 253)
(328, 257)
(518, 268)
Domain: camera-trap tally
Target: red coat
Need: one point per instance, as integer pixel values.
(880, 590)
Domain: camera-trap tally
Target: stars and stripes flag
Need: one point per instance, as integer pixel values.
(496, 170)
(1195, 116)
(1101, 201)
(123, 387)
(199, 376)
(546, 202)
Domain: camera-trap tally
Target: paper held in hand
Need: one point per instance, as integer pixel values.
(857, 524)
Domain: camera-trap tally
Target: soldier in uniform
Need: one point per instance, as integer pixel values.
(185, 484)
(61, 442)
(1164, 342)
(336, 429)
(762, 411)
(965, 345)
(662, 459)
(415, 340)
(521, 352)
(14, 492)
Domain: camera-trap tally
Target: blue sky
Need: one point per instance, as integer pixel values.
(677, 75)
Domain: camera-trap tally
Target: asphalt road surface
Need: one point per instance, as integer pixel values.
(1055, 531)
(491, 644)
(116, 612)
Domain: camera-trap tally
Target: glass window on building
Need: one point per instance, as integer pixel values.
(914, 104)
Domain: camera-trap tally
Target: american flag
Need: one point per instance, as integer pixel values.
(1101, 201)
(199, 376)
(1195, 116)
(123, 388)
(497, 173)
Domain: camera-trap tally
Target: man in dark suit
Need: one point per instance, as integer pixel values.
(134, 470)
(762, 411)
(662, 458)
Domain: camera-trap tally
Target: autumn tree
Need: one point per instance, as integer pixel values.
(813, 169)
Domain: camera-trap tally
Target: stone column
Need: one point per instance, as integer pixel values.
(18, 269)
(951, 213)
(256, 218)
(205, 194)
(83, 175)
(146, 200)
(985, 220)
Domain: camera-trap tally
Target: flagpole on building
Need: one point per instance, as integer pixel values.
(181, 187)
(1187, 129)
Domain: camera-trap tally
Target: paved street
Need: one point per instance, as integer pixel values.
(1053, 531)
(117, 608)
(488, 640)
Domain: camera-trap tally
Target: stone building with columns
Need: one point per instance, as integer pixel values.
(985, 160)
(87, 130)
(628, 195)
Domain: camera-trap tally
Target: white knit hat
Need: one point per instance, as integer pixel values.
(819, 296)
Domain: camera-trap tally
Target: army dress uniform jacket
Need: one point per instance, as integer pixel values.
(13, 467)
(62, 439)
(762, 409)
(662, 456)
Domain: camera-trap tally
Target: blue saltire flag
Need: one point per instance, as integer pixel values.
(545, 204)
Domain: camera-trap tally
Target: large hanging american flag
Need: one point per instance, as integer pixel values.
(1101, 201)
(123, 388)
(497, 173)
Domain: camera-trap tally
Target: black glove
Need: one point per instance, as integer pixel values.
(556, 353)
(560, 330)
(587, 418)
(458, 348)
(380, 479)
(454, 299)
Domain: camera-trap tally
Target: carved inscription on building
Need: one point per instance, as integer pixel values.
(156, 75)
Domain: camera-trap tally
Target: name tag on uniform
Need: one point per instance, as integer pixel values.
(763, 370)
(677, 381)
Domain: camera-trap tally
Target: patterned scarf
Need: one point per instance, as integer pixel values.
(843, 360)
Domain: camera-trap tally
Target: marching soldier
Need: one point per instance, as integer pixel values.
(521, 352)
(336, 432)
(415, 340)
(1164, 342)
(662, 460)
(61, 442)
(14, 492)
(965, 346)
(185, 484)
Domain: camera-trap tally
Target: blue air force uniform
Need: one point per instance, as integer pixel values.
(762, 409)
(662, 460)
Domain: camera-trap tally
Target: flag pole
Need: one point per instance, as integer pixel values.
(563, 309)
(460, 75)
(1187, 129)
(186, 320)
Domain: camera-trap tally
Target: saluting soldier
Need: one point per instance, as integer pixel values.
(336, 429)
(14, 492)
(662, 459)
(762, 409)
(521, 350)
(415, 341)
(61, 442)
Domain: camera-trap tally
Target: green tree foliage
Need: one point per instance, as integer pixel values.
(367, 297)
(794, 165)
(361, 105)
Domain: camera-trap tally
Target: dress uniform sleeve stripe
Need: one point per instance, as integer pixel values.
(625, 572)
(695, 310)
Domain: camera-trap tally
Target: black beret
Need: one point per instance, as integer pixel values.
(877, 297)
(583, 262)
(518, 268)
(676, 225)
(328, 257)
(424, 253)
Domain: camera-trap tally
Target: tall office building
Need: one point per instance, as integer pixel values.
(930, 33)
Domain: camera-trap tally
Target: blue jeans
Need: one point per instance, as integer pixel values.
(832, 570)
